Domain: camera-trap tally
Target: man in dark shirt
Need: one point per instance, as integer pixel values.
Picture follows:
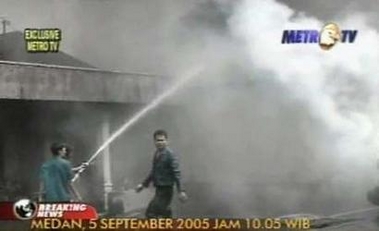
(164, 174)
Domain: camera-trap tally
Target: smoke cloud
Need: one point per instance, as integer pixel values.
(281, 128)
(266, 129)
(336, 88)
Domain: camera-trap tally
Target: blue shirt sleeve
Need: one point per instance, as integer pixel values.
(69, 174)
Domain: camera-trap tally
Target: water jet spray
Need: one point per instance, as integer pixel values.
(153, 104)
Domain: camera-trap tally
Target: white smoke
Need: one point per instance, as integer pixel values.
(339, 86)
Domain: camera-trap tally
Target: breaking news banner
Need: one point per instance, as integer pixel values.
(26, 209)
(81, 216)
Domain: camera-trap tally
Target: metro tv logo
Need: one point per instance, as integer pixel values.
(327, 38)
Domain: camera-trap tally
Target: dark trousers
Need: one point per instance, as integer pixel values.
(159, 206)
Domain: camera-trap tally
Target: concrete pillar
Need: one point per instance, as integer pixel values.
(108, 186)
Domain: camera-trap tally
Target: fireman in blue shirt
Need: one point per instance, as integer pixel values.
(55, 177)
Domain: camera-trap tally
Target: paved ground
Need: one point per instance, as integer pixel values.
(359, 220)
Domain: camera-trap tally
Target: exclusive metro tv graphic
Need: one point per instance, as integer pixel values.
(326, 38)
(26, 209)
